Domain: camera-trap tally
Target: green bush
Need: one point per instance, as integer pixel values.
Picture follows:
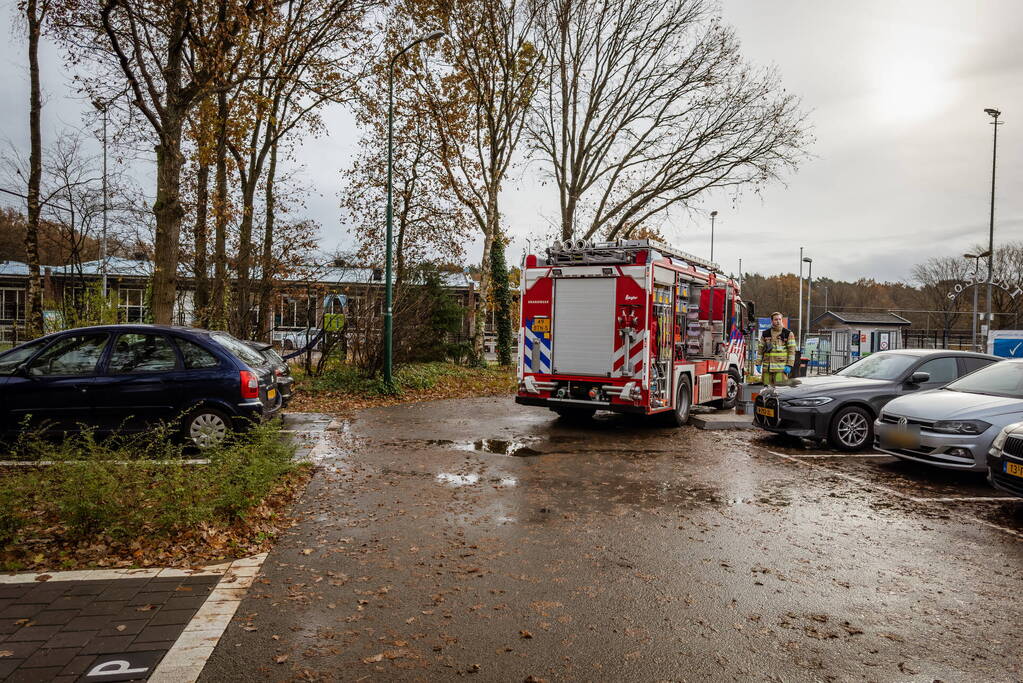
(133, 486)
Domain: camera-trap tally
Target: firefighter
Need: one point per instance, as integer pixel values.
(776, 352)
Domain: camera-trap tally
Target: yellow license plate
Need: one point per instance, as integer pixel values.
(766, 412)
(1014, 469)
(542, 325)
(271, 393)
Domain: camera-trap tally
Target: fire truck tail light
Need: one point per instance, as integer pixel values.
(593, 393)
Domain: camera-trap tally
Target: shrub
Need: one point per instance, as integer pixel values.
(128, 487)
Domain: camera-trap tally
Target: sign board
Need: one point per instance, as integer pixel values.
(1006, 343)
(885, 342)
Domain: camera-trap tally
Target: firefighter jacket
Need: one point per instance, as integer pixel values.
(774, 353)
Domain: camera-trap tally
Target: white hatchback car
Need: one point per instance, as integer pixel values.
(954, 426)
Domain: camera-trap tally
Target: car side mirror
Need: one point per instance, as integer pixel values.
(919, 378)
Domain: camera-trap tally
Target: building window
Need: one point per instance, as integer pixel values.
(131, 307)
(12, 305)
(298, 312)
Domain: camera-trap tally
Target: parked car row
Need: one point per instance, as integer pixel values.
(949, 409)
(127, 378)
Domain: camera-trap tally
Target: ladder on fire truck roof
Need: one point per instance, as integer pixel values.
(617, 251)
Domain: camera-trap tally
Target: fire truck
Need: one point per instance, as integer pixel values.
(631, 326)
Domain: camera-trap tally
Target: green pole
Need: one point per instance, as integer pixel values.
(388, 319)
(388, 297)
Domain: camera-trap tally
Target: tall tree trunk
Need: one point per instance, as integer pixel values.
(266, 262)
(201, 300)
(483, 296)
(502, 300)
(169, 212)
(34, 293)
(218, 312)
(243, 287)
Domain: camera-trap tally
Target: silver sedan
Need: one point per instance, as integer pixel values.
(954, 427)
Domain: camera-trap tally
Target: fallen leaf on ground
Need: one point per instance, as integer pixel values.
(374, 659)
(280, 659)
(525, 634)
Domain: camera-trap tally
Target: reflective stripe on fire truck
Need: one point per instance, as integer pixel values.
(638, 344)
(543, 354)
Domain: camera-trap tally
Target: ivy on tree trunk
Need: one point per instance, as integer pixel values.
(502, 301)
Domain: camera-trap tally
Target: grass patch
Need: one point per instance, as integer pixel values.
(343, 388)
(131, 501)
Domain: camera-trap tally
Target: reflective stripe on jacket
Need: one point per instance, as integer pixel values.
(774, 354)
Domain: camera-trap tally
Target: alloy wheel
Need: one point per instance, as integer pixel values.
(852, 429)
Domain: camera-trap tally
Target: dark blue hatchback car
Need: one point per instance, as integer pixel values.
(130, 377)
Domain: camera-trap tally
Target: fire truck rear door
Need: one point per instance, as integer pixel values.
(583, 335)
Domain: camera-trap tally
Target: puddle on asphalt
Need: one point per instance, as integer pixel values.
(518, 449)
(470, 479)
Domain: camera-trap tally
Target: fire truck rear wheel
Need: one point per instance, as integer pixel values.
(575, 414)
(683, 402)
(734, 380)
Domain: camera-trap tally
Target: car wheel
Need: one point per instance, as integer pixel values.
(734, 380)
(205, 427)
(851, 429)
(288, 345)
(575, 414)
(683, 403)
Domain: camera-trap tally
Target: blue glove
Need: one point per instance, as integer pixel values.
(788, 369)
(758, 369)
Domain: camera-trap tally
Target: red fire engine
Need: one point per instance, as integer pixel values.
(629, 326)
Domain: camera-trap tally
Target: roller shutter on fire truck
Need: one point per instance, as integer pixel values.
(583, 335)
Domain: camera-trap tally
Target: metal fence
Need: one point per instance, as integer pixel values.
(938, 339)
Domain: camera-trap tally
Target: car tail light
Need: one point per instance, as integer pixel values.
(250, 384)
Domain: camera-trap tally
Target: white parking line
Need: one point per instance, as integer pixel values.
(839, 455)
(974, 499)
(914, 499)
(184, 662)
(843, 475)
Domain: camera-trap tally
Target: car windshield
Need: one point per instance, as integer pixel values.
(245, 352)
(11, 360)
(997, 379)
(888, 366)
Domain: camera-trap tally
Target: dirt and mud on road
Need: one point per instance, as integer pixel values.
(476, 538)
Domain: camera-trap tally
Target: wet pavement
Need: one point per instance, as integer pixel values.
(479, 538)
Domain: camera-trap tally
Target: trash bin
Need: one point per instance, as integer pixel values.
(747, 395)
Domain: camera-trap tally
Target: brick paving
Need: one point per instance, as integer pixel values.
(61, 630)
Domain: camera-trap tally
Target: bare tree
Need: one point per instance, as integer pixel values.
(170, 55)
(35, 13)
(305, 57)
(936, 278)
(646, 104)
(479, 109)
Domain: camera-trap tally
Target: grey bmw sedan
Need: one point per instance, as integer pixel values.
(841, 408)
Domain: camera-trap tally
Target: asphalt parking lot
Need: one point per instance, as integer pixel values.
(479, 538)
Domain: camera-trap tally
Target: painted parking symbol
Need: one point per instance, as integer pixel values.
(130, 666)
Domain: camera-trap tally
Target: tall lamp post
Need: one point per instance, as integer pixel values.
(799, 310)
(976, 271)
(388, 316)
(809, 292)
(713, 215)
(994, 114)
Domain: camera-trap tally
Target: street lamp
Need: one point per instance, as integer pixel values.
(799, 310)
(994, 114)
(388, 319)
(713, 215)
(976, 271)
(809, 291)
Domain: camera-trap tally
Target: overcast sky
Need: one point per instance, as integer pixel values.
(902, 158)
